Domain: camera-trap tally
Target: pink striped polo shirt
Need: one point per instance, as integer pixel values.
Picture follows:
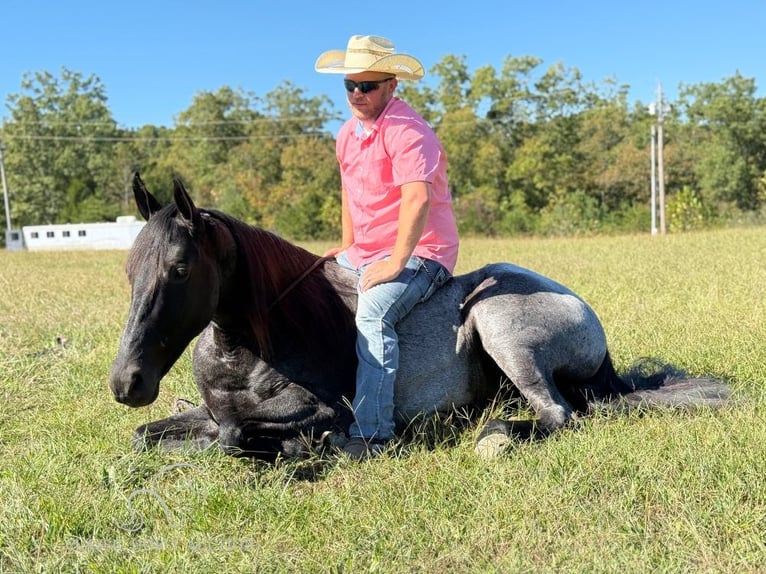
(401, 148)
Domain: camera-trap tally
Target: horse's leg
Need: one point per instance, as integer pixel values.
(193, 428)
(551, 409)
(519, 352)
(282, 424)
(522, 368)
(519, 430)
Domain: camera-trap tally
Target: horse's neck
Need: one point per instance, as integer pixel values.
(271, 293)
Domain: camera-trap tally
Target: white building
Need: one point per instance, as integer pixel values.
(119, 234)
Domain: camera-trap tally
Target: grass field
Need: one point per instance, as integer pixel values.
(666, 492)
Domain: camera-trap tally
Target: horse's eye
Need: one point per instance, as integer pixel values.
(179, 273)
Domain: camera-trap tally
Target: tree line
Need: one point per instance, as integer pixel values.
(531, 150)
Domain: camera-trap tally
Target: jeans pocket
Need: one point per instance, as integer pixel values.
(438, 276)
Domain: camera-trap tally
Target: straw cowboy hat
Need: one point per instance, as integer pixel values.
(369, 54)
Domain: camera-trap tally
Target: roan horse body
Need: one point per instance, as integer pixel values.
(275, 360)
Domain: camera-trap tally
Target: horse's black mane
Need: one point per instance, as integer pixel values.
(311, 313)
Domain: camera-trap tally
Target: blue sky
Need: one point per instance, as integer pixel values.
(154, 56)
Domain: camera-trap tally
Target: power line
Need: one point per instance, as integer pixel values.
(189, 123)
(168, 139)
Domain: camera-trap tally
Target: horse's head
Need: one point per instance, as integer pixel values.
(175, 279)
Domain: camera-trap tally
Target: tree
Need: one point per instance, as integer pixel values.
(729, 123)
(530, 149)
(206, 132)
(615, 155)
(145, 150)
(58, 143)
(306, 203)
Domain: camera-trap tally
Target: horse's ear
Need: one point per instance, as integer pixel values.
(184, 201)
(147, 204)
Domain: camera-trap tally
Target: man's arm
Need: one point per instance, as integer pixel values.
(413, 213)
(347, 230)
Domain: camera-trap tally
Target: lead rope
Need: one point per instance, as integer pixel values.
(314, 266)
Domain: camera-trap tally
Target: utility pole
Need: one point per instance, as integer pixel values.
(660, 158)
(5, 190)
(654, 180)
(658, 109)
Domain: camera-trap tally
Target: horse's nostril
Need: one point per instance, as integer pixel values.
(134, 388)
(127, 386)
(121, 393)
(136, 380)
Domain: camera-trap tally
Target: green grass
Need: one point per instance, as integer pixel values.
(666, 492)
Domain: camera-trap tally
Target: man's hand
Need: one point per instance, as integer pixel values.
(332, 252)
(379, 272)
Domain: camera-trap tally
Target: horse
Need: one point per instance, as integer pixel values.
(275, 357)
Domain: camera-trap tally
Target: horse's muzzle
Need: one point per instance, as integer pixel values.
(130, 387)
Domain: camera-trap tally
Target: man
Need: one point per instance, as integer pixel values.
(398, 227)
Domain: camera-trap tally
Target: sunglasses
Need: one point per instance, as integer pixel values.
(364, 87)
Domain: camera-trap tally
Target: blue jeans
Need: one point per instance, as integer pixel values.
(379, 309)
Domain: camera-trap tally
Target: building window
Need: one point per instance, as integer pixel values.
(50, 234)
(14, 235)
(65, 233)
(35, 235)
(81, 233)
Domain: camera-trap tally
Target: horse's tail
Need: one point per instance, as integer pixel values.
(651, 383)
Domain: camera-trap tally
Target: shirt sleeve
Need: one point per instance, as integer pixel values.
(414, 150)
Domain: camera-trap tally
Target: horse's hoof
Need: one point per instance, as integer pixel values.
(492, 445)
(181, 405)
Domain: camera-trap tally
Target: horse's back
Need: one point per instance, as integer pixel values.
(438, 364)
(501, 319)
(519, 311)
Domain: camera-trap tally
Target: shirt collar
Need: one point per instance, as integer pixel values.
(362, 133)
